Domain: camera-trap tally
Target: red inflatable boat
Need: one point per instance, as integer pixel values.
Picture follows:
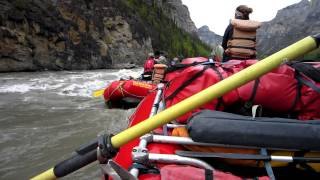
(165, 153)
(195, 124)
(126, 93)
(153, 156)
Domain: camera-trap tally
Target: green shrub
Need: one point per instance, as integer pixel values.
(165, 34)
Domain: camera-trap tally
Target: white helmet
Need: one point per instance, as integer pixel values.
(150, 55)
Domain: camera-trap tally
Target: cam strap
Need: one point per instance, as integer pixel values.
(298, 93)
(181, 66)
(307, 69)
(243, 47)
(208, 174)
(220, 99)
(242, 57)
(248, 105)
(186, 83)
(308, 83)
(267, 165)
(254, 90)
(145, 168)
(244, 38)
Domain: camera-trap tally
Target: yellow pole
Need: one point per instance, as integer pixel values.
(252, 72)
(98, 93)
(262, 67)
(47, 175)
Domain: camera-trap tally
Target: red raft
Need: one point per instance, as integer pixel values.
(126, 93)
(157, 160)
(156, 155)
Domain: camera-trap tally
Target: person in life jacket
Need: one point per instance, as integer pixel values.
(148, 67)
(239, 39)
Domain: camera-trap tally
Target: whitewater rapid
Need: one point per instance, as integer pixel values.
(44, 116)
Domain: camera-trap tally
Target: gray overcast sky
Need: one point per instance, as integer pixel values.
(217, 13)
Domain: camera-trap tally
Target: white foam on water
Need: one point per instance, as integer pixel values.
(19, 88)
(27, 99)
(84, 89)
(94, 81)
(71, 83)
(127, 73)
(26, 87)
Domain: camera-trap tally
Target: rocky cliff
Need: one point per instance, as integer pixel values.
(179, 13)
(86, 34)
(290, 25)
(209, 37)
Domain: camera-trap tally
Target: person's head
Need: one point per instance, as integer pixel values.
(150, 55)
(242, 12)
(157, 54)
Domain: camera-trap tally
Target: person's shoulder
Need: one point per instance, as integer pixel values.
(228, 29)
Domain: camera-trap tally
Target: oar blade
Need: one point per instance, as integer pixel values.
(98, 93)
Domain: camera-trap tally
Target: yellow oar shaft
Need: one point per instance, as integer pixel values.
(47, 175)
(253, 72)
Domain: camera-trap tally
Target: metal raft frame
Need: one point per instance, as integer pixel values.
(142, 158)
(141, 155)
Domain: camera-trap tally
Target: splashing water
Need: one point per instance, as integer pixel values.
(44, 116)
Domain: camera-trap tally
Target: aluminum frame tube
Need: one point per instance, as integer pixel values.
(169, 158)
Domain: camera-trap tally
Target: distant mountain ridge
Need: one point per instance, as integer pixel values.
(290, 25)
(209, 37)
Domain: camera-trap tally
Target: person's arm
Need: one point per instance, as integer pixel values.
(227, 35)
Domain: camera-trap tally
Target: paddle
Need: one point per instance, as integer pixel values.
(98, 92)
(262, 67)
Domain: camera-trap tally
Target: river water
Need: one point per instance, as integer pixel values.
(44, 116)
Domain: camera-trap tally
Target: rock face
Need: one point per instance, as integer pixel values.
(290, 25)
(39, 34)
(78, 34)
(209, 37)
(179, 13)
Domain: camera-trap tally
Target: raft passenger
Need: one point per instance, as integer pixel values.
(239, 39)
(148, 67)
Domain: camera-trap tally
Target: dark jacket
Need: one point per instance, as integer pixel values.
(227, 35)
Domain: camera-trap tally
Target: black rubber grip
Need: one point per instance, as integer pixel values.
(74, 163)
(83, 149)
